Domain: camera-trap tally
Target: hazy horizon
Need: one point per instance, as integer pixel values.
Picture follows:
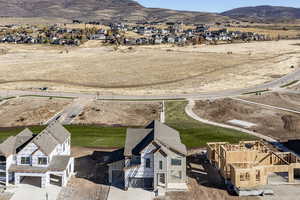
(214, 6)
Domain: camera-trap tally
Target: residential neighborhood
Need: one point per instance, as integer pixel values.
(149, 100)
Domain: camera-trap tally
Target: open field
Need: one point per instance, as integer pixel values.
(193, 133)
(25, 111)
(119, 113)
(275, 123)
(169, 70)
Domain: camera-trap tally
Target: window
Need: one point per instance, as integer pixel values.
(175, 162)
(42, 161)
(160, 164)
(148, 163)
(25, 160)
(244, 176)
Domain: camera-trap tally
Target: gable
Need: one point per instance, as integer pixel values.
(28, 149)
(149, 149)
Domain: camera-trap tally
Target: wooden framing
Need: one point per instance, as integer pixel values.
(249, 163)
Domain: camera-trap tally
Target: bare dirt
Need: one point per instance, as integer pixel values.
(274, 123)
(125, 113)
(25, 111)
(282, 99)
(146, 70)
(204, 183)
(90, 182)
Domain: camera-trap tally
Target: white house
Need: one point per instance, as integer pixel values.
(44, 157)
(154, 158)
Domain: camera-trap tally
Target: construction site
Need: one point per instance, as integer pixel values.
(251, 165)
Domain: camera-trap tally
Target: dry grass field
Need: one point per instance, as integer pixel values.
(119, 113)
(145, 70)
(26, 111)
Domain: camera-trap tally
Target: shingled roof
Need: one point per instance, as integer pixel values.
(138, 139)
(58, 132)
(45, 141)
(11, 144)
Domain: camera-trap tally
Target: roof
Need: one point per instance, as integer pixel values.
(7, 148)
(133, 138)
(11, 144)
(45, 142)
(58, 132)
(138, 139)
(27, 169)
(59, 163)
(23, 137)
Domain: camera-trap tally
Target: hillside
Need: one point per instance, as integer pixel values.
(104, 10)
(264, 14)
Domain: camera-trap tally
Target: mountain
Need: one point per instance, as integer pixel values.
(264, 14)
(104, 10)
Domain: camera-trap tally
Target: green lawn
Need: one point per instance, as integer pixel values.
(86, 136)
(195, 134)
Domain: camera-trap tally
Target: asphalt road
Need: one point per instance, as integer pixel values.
(209, 95)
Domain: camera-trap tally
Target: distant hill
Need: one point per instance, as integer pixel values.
(104, 10)
(264, 14)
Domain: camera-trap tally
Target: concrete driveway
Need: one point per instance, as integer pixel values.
(26, 191)
(284, 192)
(130, 194)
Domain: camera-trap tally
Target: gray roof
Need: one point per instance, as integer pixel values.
(137, 139)
(58, 132)
(11, 144)
(45, 141)
(23, 137)
(133, 138)
(7, 147)
(59, 163)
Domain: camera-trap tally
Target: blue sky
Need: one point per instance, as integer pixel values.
(214, 5)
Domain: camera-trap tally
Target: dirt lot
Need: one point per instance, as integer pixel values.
(282, 99)
(90, 182)
(145, 70)
(25, 111)
(119, 113)
(204, 183)
(275, 123)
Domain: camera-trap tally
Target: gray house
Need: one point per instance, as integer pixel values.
(154, 158)
(42, 158)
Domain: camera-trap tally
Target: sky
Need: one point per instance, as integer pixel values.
(214, 5)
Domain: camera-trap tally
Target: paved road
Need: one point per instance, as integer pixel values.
(189, 111)
(209, 95)
(67, 115)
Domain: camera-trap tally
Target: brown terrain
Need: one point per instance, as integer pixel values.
(25, 111)
(119, 113)
(272, 122)
(169, 70)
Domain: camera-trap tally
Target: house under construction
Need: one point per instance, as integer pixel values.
(250, 163)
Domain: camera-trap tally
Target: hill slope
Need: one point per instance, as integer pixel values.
(264, 13)
(105, 10)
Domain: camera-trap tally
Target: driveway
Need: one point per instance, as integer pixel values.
(26, 191)
(283, 192)
(130, 194)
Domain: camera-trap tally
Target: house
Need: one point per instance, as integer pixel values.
(43, 157)
(251, 164)
(154, 158)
